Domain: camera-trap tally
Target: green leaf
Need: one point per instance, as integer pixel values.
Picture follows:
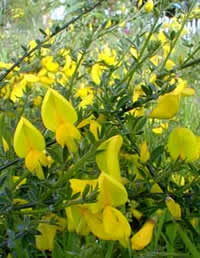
(86, 191)
(190, 246)
(157, 152)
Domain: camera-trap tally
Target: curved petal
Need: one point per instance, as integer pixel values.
(56, 110)
(167, 107)
(107, 159)
(174, 208)
(112, 192)
(115, 224)
(66, 134)
(144, 236)
(26, 138)
(182, 143)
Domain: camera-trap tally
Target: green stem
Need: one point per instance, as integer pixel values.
(192, 54)
(78, 164)
(110, 249)
(177, 37)
(76, 70)
(190, 246)
(138, 64)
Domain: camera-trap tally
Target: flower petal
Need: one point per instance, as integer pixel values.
(115, 224)
(26, 138)
(107, 159)
(144, 236)
(167, 107)
(182, 143)
(56, 110)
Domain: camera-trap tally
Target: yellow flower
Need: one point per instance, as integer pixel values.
(153, 78)
(49, 64)
(110, 224)
(144, 152)
(134, 52)
(29, 144)
(137, 214)
(37, 101)
(5, 144)
(108, 56)
(167, 107)
(18, 89)
(83, 91)
(157, 130)
(112, 192)
(162, 37)
(96, 73)
(58, 115)
(76, 220)
(160, 129)
(95, 224)
(107, 158)
(33, 161)
(182, 89)
(45, 241)
(182, 143)
(108, 24)
(155, 60)
(67, 134)
(31, 78)
(69, 67)
(149, 5)
(87, 101)
(16, 179)
(169, 65)
(95, 128)
(178, 179)
(86, 94)
(115, 224)
(174, 208)
(61, 78)
(156, 188)
(144, 236)
(137, 112)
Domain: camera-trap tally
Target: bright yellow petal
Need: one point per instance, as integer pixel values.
(188, 92)
(149, 5)
(167, 107)
(112, 193)
(76, 220)
(5, 145)
(170, 65)
(174, 208)
(144, 152)
(157, 130)
(95, 223)
(66, 134)
(56, 110)
(45, 241)
(95, 127)
(144, 236)
(78, 185)
(115, 224)
(96, 73)
(18, 90)
(26, 138)
(108, 157)
(32, 162)
(182, 143)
